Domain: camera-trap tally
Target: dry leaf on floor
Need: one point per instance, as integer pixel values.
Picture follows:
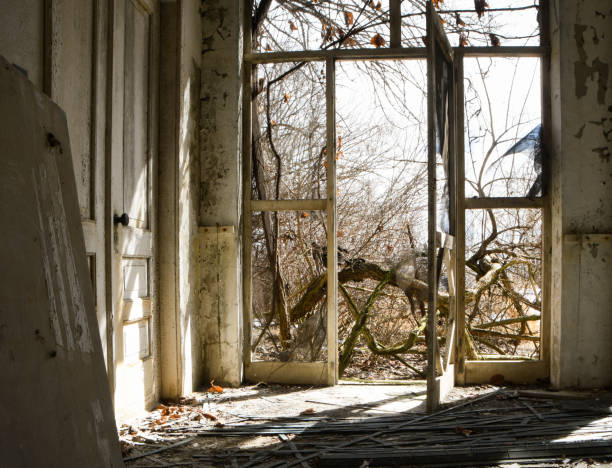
(307, 411)
(463, 431)
(214, 388)
(212, 417)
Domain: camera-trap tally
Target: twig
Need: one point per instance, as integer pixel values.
(294, 449)
(161, 449)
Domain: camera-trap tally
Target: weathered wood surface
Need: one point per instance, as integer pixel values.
(54, 394)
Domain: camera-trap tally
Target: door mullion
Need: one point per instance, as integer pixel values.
(460, 233)
(332, 250)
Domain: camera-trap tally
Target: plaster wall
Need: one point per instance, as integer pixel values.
(220, 191)
(581, 191)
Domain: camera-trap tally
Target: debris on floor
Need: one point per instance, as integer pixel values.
(274, 426)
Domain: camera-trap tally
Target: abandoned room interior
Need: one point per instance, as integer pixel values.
(305, 233)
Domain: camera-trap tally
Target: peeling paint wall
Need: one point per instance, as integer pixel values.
(220, 190)
(581, 96)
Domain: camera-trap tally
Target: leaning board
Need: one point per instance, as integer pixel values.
(55, 401)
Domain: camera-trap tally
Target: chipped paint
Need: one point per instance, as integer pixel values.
(584, 72)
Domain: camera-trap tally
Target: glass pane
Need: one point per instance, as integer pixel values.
(289, 131)
(503, 281)
(289, 295)
(502, 146)
(324, 24)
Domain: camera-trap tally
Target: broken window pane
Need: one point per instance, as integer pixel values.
(308, 25)
(511, 22)
(503, 281)
(443, 86)
(381, 115)
(505, 23)
(503, 151)
(289, 132)
(289, 294)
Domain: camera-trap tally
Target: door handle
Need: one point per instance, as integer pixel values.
(124, 219)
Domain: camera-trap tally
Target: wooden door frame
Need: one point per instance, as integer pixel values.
(395, 51)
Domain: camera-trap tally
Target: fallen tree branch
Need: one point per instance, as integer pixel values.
(482, 332)
(499, 323)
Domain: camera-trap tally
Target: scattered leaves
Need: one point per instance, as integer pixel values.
(286, 98)
(125, 447)
(216, 388)
(458, 20)
(208, 416)
(340, 234)
(463, 431)
(348, 18)
(494, 40)
(292, 26)
(307, 411)
(378, 41)
(479, 6)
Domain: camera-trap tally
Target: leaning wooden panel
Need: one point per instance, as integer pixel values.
(57, 408)
(516, 372)
(288, 373)
(432, 394)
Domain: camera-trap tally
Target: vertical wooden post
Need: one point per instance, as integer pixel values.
(247, 114)
(432, 394)
(460, 234)
(332, 249)
(395, 20)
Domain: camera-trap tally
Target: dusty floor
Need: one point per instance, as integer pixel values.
(362, 425)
